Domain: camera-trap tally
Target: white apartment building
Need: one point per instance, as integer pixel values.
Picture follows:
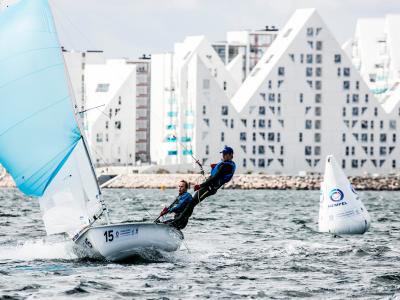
(247, 46)
(117, 111)
(375, 52)
(302, 101)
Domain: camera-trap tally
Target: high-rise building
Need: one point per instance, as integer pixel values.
(303, 100)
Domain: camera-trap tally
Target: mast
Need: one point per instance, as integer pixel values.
(74, 105)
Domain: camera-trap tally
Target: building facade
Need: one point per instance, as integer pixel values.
(117, 111)
(303, 100)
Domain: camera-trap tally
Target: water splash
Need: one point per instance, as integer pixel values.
(37, 250)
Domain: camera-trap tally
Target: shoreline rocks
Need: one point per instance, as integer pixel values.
(240, 181)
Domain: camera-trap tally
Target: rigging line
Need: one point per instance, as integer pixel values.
(25, 52)
(108, 117)
(76, 27)
(64, 29)
(30, 74)
(32, 115)
(83, 111)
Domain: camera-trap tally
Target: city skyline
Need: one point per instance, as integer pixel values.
(153, 26)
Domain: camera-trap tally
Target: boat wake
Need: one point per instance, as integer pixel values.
(39, 249)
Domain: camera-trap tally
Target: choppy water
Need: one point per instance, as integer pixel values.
(243, 244)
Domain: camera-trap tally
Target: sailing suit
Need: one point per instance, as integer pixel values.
(220, 174)
(179, 205)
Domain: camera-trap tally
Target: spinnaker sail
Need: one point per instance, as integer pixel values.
(41, 144)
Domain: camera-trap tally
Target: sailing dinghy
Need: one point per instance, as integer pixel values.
(341, 210)
(44, 149)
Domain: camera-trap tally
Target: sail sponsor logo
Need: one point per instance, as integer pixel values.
(336, 195)
(338, 204)
(352, 189)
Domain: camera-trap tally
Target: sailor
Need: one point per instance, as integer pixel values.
(221, 173)
(178, 206)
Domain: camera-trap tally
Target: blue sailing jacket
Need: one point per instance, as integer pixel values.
(183, 200)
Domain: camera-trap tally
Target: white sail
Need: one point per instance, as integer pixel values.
(72, 199)
(341, 211)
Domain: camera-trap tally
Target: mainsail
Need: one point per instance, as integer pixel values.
(41, 144)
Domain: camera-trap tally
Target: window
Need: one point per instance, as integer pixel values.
(117, 124)
(364, 137)
(308, 124)
(346, 72)
(261, 163)
(355, 98)
(382, 151)
(346, 85)
(318, 72)
(307, 150)
(344, 111)
(355, 111)
(254, 123)
(354, 163)
(318, 111)
(261, 123)
(261, 110)
(271, 136)
(281, 152)
(310, 31)
(102, 88)
(254, 136)
(357, 85)
(261, 149)
(269, 84)
(318, 98)
(382, 138)
(317, 150)
(394, 138)
(381, 124)
(281, 71)
(224, 110)
(224, 85)
(338, 72)
(375, 111)
(301, 98)
(343, 164)
(318, 45)
(254, 150)
(271, 97)
(393, 164)
(308, 72)
(244, 163)
(364, 124)
(206, 121)
(317, 137)
(317, 124)
(243, 136)
(119, 100)
(300, 137)
(318, 59)
(338, 58)
(318, 85)
(244, 121)
(207, 149)
(106, 124)
(222, 136)
(309, 58)
(392, 124)
(99, 137)
(206, 84)
(366, 98)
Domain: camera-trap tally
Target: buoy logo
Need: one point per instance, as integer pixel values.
(336, 195)
(352, 189)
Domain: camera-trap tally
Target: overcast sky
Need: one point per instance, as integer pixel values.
(129, 28)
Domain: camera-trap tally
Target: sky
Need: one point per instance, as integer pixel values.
(130, 28)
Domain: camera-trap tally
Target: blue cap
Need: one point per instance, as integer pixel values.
(227, 150)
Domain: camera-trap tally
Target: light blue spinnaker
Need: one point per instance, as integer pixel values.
(38, 129)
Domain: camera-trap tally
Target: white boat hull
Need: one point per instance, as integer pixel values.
(118, 242)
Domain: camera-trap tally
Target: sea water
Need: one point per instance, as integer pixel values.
(241, 245)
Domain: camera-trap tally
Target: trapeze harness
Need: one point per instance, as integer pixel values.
(212, 189)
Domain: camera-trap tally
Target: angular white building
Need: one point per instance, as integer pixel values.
(302, 101)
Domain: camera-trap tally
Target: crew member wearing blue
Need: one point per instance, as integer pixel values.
(179, 205)
(221, 173)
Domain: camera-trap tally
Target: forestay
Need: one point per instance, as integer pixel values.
(41, 145)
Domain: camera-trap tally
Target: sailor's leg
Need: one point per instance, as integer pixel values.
(202, 194)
